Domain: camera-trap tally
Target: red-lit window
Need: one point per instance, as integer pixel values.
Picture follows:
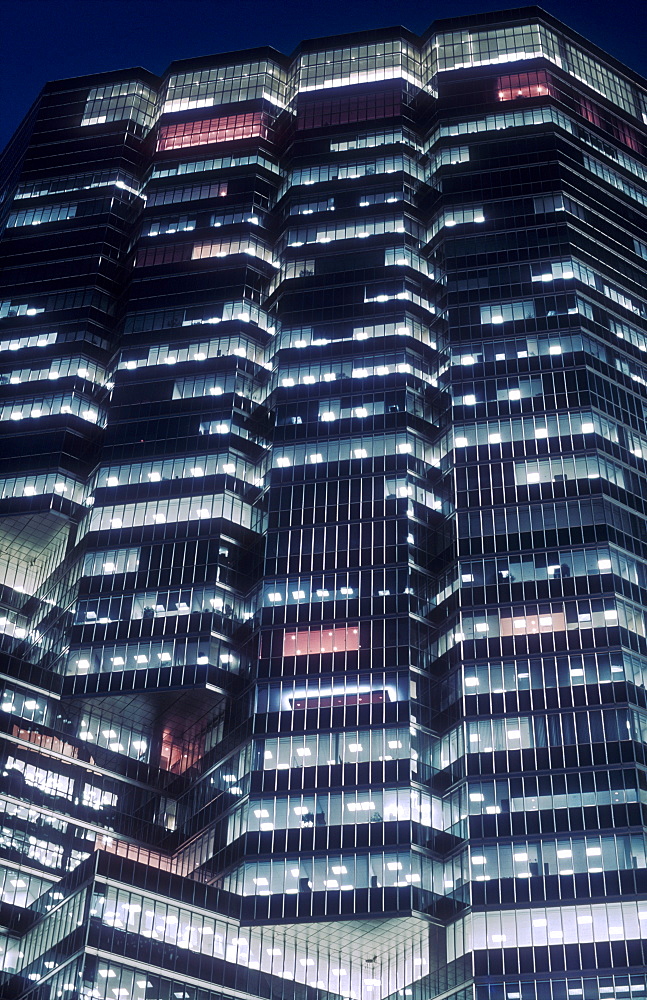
(345, 110)
(326, 640)
(610, 123)
(590, 111)
(164, 255)
(538, 84)
(177, 757)
(626, 134)
(224, 129)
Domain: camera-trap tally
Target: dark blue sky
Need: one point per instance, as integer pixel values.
(44, 40)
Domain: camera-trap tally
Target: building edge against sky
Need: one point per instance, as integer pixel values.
(322, 520)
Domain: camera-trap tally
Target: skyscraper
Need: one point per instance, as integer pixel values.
(323, 524)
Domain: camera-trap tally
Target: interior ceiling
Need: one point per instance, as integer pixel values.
(27, 541)
(183, 712)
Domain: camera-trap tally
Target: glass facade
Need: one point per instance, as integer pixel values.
(322, 537)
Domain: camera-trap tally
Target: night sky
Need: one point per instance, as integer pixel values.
(43, 40)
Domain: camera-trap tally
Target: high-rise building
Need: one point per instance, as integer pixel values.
(324, 421)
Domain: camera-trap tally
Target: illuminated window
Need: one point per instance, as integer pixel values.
(224, 129)
(590, 111)
(333, 700)
(538, 84)
(532, 624)
(309, 642)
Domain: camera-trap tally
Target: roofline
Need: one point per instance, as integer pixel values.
(515, 15)
(94, 79)
(512, 15)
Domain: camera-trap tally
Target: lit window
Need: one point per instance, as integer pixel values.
(223, 129)
(537, 84)
(320, 641)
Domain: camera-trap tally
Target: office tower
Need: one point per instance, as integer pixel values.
(323, 524)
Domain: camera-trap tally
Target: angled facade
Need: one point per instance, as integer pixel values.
(322, 524)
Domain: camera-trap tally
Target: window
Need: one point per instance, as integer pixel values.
(223, 129)
(164, 255)
(190, 192)
(119, 101)
(35, 216)
(505, 311)
(524, 85)
(359, 107)
(306, 642)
